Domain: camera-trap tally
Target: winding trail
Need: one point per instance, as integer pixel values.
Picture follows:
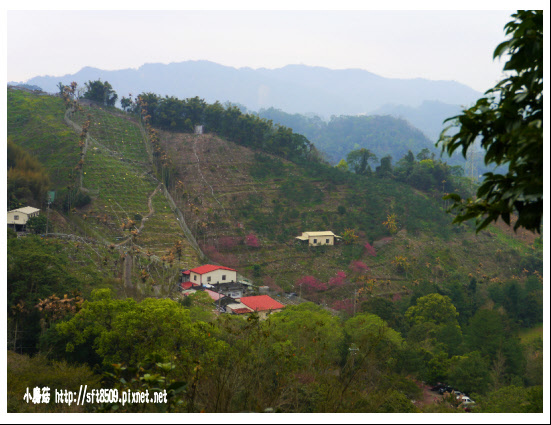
(160, 188)
(144, 219)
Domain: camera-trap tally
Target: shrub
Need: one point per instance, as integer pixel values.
(252, 241)
(370, 250)
(338, 279)
(311, 283)
(358, 267)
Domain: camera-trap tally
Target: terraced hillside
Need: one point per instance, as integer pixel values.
(245, 208)
(231, 196)
(116, 175)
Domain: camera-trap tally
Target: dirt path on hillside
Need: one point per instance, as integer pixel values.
(201, 173)
(144, 219)
(428, 397)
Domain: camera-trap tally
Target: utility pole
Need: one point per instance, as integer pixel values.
(355, 293)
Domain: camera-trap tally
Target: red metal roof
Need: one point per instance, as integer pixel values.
(188, 285)
(209, 268)
(185, 272)
(214, 295)
(261, 303)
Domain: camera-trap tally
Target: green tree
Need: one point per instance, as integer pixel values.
(358, 160)
(101, 92)
(342, 165)
(434, 308)
(126, 103)
(508, 121)
(512, 399)
(470, 373)
(313, 332)
(37, 224)
(366, 330)
(385, 169)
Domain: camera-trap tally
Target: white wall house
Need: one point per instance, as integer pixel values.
(209, 274)
(18, 218)
(319, 238)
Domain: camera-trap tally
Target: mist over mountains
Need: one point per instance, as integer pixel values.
(293, 88)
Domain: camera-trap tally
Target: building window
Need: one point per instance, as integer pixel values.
(208, 279)
(194, 277)
(315, 241)
(326, 240)
(16, 217)
(223, 277)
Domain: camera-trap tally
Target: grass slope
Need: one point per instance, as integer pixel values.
(227, 192)
(117, 175)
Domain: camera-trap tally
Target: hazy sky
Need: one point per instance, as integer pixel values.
(438, 45)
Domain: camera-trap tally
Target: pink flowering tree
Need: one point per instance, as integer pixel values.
(370, 250)
(310, 283)
(358, 267)
(338, 279)
(252, 241)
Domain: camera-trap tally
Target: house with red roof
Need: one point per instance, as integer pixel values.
(262, 304)
(209, 274)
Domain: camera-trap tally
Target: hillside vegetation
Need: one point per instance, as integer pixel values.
(406, 294)
(381, 134)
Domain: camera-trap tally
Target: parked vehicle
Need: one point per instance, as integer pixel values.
(466, 401)
(445, 389)
(437, 387)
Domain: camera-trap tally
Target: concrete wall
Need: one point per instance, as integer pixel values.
(321, 240)
(215, 276)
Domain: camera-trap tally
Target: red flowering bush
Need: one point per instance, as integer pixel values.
(252, 241)
(370, 250)
(338, 280)
(358, 267)
(311, 283)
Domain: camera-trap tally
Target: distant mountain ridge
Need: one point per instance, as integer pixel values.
(293, 88)
(428, 117)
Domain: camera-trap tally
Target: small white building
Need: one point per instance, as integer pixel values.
(209, 274)
(319, 238)
(18, 218)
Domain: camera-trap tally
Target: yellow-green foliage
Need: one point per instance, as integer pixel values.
(37, 124)
(25, 372)
(26, 176)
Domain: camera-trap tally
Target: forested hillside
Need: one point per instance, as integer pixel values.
(382, 135)
(406, 298)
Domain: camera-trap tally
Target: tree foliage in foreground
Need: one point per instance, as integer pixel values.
(509, 124)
